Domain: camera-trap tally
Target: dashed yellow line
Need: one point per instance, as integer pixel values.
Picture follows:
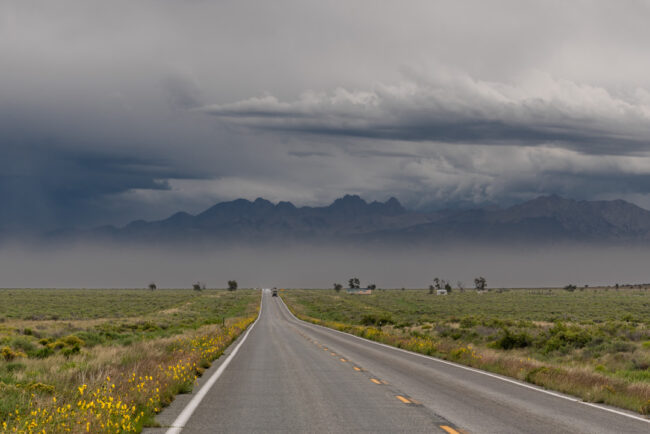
(374, 380)
(356, 368)
(343, 360)
(404, 400)
(333, 353)
(449, 429)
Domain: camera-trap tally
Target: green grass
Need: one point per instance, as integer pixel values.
(592, 342)
(108, 317)
(53, 341)
(590, 305)
(71, 304)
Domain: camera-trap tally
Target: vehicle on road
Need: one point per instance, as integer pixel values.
(274, 292)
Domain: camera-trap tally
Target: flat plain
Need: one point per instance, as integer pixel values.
(108, 360)
(593, 343)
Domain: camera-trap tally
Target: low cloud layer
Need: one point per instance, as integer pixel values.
(459, 109)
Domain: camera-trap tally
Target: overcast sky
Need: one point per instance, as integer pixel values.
(111, 111)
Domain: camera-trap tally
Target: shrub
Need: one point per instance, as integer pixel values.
(628, 318)
(8, 354)
(468, 322)
(73, 341)
(509, 340)
(24, 344)
(69, 351)
(57, 345)
(378, 320)
(44, 353)
(41, 388)
(563, 338)
(14, 367)
(600, 368)
(621, 347)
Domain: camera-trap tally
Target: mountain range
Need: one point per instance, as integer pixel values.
(350, 218)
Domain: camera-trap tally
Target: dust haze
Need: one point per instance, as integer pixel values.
(308, 266)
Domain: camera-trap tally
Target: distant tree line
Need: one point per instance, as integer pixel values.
(198, 286)
(480, 283)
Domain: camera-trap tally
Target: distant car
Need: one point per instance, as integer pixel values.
(274, 293)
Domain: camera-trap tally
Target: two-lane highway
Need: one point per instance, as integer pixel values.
(280, 381)
(291, 376)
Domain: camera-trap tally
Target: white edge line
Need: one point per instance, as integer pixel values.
(180, 421)
(478, 371)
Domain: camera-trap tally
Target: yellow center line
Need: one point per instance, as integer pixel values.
(356, 368)
(404, 400)
(334, 354)
(325, 349)
(374, 380)
(343, 360)
(449, 429)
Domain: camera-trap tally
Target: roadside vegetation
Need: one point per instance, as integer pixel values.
(108, 360)
(593, 343)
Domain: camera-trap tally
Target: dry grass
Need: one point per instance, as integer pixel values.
(612, 366)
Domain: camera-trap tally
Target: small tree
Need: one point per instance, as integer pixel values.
(354, 283)
(372, 286)
(232, 285)
(441, 284)
(570, 288)
(480, 283)
(461, 286)
(431, 289)
(338, 287)
(197, 286)
(152, 286)
(448, 287)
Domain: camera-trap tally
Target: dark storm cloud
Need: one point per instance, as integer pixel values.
(52, 188)
(121, 110)
(461, 110)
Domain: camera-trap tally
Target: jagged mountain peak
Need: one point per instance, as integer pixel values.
(348, 200)
(544, 218)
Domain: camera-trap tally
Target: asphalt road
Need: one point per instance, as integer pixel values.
(290, 376)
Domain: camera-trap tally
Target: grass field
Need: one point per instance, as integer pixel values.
(593, 343)
(108, 360)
